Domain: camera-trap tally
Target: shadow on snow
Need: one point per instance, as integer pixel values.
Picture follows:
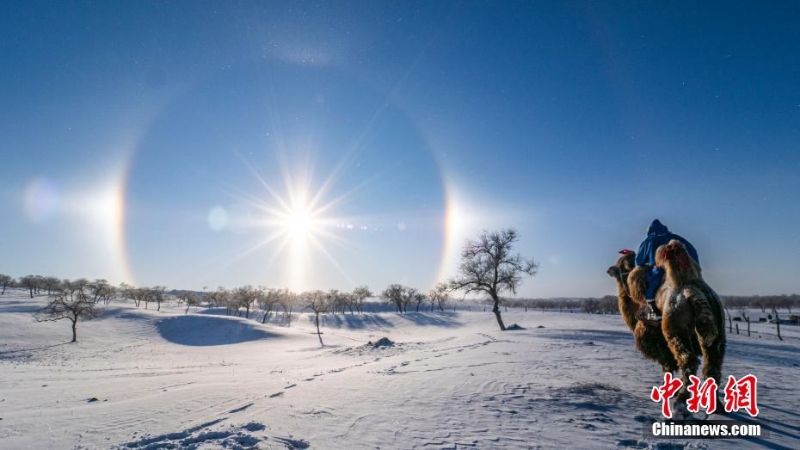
(351, 321)
(199, 330)
(436, 319)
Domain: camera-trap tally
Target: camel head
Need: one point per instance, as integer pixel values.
(675, 260)
(624, 264)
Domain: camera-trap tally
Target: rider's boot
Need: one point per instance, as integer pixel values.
(652, 312)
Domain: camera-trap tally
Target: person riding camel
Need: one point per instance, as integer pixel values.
(657, 235)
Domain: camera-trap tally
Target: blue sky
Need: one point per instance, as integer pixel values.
(184, 143)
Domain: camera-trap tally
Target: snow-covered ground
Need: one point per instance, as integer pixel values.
(205, 380)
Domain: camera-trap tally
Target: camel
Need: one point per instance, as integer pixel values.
(648, 336)
(693, 319)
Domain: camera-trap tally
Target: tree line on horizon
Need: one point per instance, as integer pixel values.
(488, 267)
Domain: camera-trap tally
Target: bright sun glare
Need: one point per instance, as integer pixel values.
(298, 222)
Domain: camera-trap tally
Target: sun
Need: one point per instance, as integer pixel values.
(299, 224)
(296, 217)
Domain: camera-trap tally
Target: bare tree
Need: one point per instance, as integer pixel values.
(590, 305)
(139, 295)
(267, 300)
(438, 296)
(146, 296)
(360, 294)
(349, 302)
(80, 284)
(336, 301)
(159, 294)
(72, 304)
(777, 322)
(231, 303)
(190, 299)
(408, 296)
(787, 302)
(102, 291)
(245, 297)
(131, 292)
(97, 288)
(40, 284)
(5, 280)
(51, 284)
(108, 293)
(287, 301)
(218, 298)
(412, 295)
(155, 294)
(488, 266)
(30, 282)
(395, 294)
(746, 318)
(316, 301)
(608, 305)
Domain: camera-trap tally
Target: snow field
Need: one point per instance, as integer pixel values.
(452, 380)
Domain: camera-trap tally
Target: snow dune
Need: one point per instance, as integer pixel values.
(151, 380)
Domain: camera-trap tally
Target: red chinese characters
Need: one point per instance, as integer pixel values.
(741, 394)
(703, 395)
(665, 392)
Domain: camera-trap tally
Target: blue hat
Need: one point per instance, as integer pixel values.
(657, 227)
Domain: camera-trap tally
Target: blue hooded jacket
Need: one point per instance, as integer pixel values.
(658, 235)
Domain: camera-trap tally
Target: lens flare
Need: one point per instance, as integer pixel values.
(41, 200)
(217, 218)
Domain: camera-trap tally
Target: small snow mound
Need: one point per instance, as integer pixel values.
(382, 342)
(293, 443)
(254, 426)
(514, 327)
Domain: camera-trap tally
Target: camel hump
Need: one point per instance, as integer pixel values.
(637, 283)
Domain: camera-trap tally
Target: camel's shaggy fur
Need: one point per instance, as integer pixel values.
(692, 314)
(649, 338)
(693, 320)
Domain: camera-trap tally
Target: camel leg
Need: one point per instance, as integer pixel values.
(713, 354)
(679, 340)
(710, 338)
(651, 343)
